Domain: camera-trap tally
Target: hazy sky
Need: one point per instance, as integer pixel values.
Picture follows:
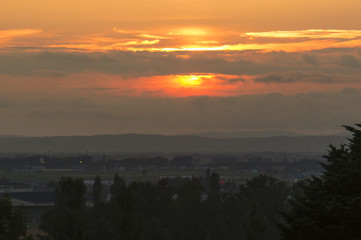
(178, 67)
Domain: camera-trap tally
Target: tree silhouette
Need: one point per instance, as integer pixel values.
(97, 190)
(67, 219)
(12, 221)
(330, 205)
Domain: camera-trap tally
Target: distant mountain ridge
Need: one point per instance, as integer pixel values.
(11, 136)
(249, 134)
(260, 134)
(162, 143)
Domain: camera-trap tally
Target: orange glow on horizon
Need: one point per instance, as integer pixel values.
(212, 85)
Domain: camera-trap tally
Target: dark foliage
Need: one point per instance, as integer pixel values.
(68, 218)
(97, 190)
(329, 206)
(12, 220)
(141, 210)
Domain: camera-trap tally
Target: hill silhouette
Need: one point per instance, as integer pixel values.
(162, 143)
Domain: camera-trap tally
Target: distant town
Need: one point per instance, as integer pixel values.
(37, 173)
(30, 180)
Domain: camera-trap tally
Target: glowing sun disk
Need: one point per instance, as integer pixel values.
(191, 80)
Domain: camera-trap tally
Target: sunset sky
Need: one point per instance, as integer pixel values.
(178, 67)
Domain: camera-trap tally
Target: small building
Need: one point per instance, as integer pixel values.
(34, 203)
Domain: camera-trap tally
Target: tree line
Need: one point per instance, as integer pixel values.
(323, 207)
(142, 210)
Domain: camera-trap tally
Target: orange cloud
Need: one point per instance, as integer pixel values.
(10, 34)
(145, 42)
(145, 35)
(309, 33)
(188, 39)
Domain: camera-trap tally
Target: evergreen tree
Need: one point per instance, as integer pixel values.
(213, 208)
(270, 194)
(330, 206)
(97, 190)
(188, 219)
(12, 221)
(67, 219)
(214, 183)
(118, 186)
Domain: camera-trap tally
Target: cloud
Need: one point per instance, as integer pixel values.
(308, 33)
(93, 89)
(289, 77)
(317, 66)
(116, 29)
(185, 39)
(350, 61)
(57, 114)
(231, 79)
(139, 43)
(6, 35)
(145, 35)
(122, 63)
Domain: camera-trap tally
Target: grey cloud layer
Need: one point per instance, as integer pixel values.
(289, 77)
(124, 63)
(318, 66)
(69, 115)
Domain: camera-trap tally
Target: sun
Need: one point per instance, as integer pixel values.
(191, 80)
